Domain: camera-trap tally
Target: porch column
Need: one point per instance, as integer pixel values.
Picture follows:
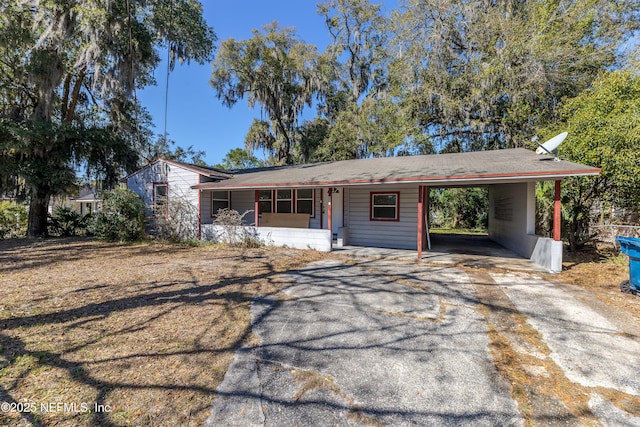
(199, 214)
(557, 213)
(256, 208)
(329, 212)
(420, 220)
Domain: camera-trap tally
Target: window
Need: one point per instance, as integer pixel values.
(219, 200)
(160, 199)
(284, 201)
(304, 201)
(385, 206)
(265, 201)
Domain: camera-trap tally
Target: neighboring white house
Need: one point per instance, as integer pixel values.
(379, 202)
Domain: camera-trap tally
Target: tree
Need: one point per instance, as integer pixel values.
(275, 71)
(480, 75)
(604, 131)
(365, 118)
(357, 29)
(238, 158)
(68, 76)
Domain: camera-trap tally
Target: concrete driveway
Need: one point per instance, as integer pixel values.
(379, 342)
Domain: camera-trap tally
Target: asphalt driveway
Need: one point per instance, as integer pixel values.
(375, 342)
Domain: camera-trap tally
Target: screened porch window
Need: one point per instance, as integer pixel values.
(265, 201)
(284, 201)
(304, 201)
(385, 206)
(219, 200)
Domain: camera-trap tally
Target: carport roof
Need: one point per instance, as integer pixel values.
(473, 168)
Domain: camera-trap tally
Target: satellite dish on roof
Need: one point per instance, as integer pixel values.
(551, 146)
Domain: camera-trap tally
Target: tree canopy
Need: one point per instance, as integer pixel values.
(604, 124)
(68, 77)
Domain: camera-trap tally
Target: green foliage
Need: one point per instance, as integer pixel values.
(277, 72)
(484, 75)
(604, 131)
(66, 222)
(122, 217)
(67, 79)
(13, 220)
(238, 158)
(465, 208)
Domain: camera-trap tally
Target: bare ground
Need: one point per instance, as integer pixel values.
(147, 331)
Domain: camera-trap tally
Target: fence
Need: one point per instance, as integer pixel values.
(607, 233)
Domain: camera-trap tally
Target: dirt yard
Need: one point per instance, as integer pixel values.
(599, 270)
(101, 334)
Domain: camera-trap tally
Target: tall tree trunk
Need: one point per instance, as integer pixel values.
(38, 209)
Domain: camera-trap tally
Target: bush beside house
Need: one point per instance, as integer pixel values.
(122, 218)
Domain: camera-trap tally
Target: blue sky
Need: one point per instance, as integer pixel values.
(195, 116)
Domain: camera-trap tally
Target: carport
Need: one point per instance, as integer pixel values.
(462, 250)
(382, 202)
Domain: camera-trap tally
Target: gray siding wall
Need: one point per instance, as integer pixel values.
(244, 201)
(383, 234)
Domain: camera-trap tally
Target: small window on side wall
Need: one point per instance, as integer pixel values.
(385, 206)
(219, 200)
(161, 199)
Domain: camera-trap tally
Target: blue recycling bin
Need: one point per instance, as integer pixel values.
(631, 247)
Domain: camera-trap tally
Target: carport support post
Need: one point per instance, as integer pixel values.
(557, 213)
(420, 220)
(330, 192)
(256, 207)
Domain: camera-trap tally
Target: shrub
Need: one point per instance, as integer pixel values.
(122, 218)
(232, 232)
(67, 222)
(13, 220)
(181, 223)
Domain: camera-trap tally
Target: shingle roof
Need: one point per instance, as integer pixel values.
(442, 169)
(202, 170)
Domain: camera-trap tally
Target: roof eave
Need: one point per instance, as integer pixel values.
(439, 180)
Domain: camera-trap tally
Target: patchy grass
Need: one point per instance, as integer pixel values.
(145, 331)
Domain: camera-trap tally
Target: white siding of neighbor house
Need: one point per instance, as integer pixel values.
(183, 200)
(179, 179)
(384, 234)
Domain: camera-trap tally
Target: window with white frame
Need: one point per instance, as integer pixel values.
(265, 201)
(284, 201)
(304, 201)
(219, 200)
(385, 206)
(161, 199)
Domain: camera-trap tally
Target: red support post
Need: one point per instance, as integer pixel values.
(557, 213)
(420, 220)
(256, 209)
(199, 214)
(329, 211)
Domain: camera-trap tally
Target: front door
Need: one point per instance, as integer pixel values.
(337, 203)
